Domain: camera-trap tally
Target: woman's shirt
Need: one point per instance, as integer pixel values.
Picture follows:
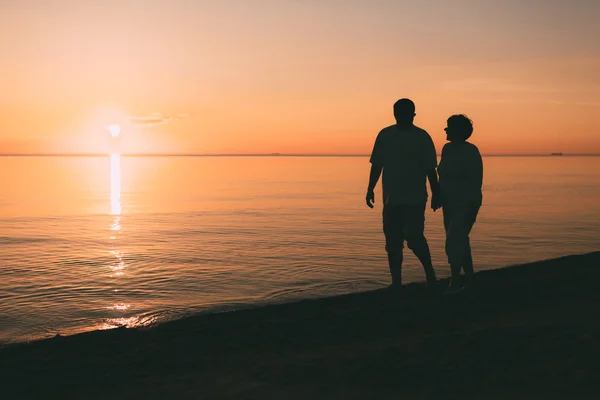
(461, 174)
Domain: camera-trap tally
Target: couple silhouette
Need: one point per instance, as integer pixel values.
(406, 156)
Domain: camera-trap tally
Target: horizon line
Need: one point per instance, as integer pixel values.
(267, 154)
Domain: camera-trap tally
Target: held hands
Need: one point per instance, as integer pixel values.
(370, 198)
(435, 202)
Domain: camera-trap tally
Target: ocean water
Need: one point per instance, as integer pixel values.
(101, 242)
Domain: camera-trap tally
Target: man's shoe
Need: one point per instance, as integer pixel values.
(397, 288)
(454, 288)
(431, 285)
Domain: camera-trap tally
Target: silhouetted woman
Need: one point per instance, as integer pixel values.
(461, 177)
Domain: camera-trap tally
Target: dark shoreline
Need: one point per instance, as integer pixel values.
(528, 331)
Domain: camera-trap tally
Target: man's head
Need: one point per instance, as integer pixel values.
(404, 111)
(459, 128)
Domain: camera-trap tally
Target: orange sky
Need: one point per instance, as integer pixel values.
(303, 76)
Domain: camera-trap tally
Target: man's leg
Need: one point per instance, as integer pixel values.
(395, 263)
(394, 241)
(414, 227)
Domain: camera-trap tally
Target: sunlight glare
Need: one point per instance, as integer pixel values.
(114, 130)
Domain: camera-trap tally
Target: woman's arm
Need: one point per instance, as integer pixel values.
(475, 169)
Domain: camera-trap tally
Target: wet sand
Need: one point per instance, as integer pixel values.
(528, 331)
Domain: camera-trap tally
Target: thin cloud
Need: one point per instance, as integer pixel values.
(492, 85)
(499, 86)
(536, 101)
(155, 119)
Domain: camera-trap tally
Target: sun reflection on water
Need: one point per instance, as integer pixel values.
(116, 225)
(130, 322)
(115, 184)
(117, 266)
(119, 307)
(115, 209)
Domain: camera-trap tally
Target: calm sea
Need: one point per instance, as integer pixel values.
(100, 242)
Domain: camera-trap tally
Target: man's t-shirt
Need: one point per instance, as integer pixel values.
(461, 175)
(406, 155)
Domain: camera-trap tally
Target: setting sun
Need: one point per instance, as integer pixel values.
(114, 130)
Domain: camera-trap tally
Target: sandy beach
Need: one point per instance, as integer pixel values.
(527, 331)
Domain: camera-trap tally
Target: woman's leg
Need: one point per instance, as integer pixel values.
(450, 227)
(470, 216)
(458, 246)
(468, 268)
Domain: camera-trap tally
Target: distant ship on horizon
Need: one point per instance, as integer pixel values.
(556, 154)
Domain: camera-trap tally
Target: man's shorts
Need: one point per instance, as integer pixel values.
(403, 222)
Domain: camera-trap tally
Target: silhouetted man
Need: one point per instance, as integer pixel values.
(406, 154)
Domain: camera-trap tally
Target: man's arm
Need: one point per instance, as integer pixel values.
(431, 165)
(434, 184)
(377, 161)
(374, 176)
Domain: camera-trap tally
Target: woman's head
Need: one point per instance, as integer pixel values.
(459, 128)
